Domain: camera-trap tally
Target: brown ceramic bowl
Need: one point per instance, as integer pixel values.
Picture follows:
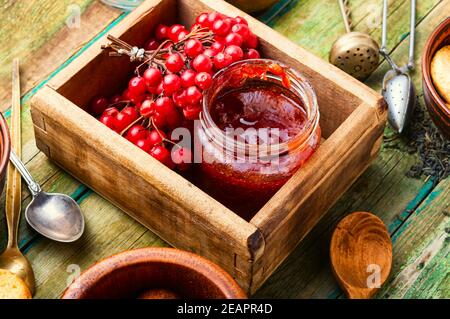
(252, 5)
(5, 148)
(159, 273)
(438, 109)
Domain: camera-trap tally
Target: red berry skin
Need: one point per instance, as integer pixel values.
(147, 108)
(233, 39)
(144, 144)
(151, 45)
(240, 20)
(193, 47)
(136, 132)
(182, 35)
(210, 52)
(252, 54)
(152, 77)
(174, 63)
(98, 105)
(193, 95)
(222, 60)
(213, 17)
(156, 137)
(203, 80)
(217, 46)
(219, 39)
(115, 99)
(242, 30)
(188, 78)
(164, 105)
(235, 52)
(174, 31)
(179, 98)
(221, 27)
(111, 111)
(122, 121)
(251, 42)
(191, 112)
(231, 21)
(159, 120)
(202, 63)
(202, 20)
(161, 32)
(108, 120)
(126, 95)
(131, 112)
(171, 84)
(136, 99)
(196, 26)
(137, 86)
(173, 119)
(182, 156)
(160, 153)
(160, 88)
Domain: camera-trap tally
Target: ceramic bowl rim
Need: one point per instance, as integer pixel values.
(6, 144)
(221, 279)
(426, 66)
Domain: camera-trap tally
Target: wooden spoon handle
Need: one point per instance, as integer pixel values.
(13, 186)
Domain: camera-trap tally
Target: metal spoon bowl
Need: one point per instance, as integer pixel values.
(55, 216)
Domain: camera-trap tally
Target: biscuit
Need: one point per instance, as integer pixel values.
(12, 287)
(440, 72)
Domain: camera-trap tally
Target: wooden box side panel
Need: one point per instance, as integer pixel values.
(289, 216)
(157, 197)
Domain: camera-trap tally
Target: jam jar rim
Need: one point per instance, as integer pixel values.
(308, 97)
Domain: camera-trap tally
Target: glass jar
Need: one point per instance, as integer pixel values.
(259, 124)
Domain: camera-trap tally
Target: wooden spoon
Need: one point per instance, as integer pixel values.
(361, 254)
(12, 259)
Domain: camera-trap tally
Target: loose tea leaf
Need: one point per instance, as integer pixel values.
(432, 147)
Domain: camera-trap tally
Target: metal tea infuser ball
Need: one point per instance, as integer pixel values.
(398, 88)
(355, 52)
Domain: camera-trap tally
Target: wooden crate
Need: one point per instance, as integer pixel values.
(352, 120)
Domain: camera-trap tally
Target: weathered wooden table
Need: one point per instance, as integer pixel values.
(47, 36)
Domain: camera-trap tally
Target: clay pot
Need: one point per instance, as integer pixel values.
(439, 110)
(154, 273)
(252, 5)
(5, 148)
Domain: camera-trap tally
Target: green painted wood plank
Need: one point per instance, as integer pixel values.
(421, 267)
(315, 279)
(37, 32)
(315, 25)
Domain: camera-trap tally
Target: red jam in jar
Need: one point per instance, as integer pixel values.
(258, 126)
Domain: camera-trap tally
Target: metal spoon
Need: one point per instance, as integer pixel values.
(354, 52)
(56, 216)
(398, 88)
(12, 259)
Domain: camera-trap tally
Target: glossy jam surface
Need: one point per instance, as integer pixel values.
(260, 105)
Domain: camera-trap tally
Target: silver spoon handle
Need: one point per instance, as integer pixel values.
(412, 28)
(384, 27)
(33, 186)
(345, 11)
(412, 34)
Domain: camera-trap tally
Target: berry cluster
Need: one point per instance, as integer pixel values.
(179, 63)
